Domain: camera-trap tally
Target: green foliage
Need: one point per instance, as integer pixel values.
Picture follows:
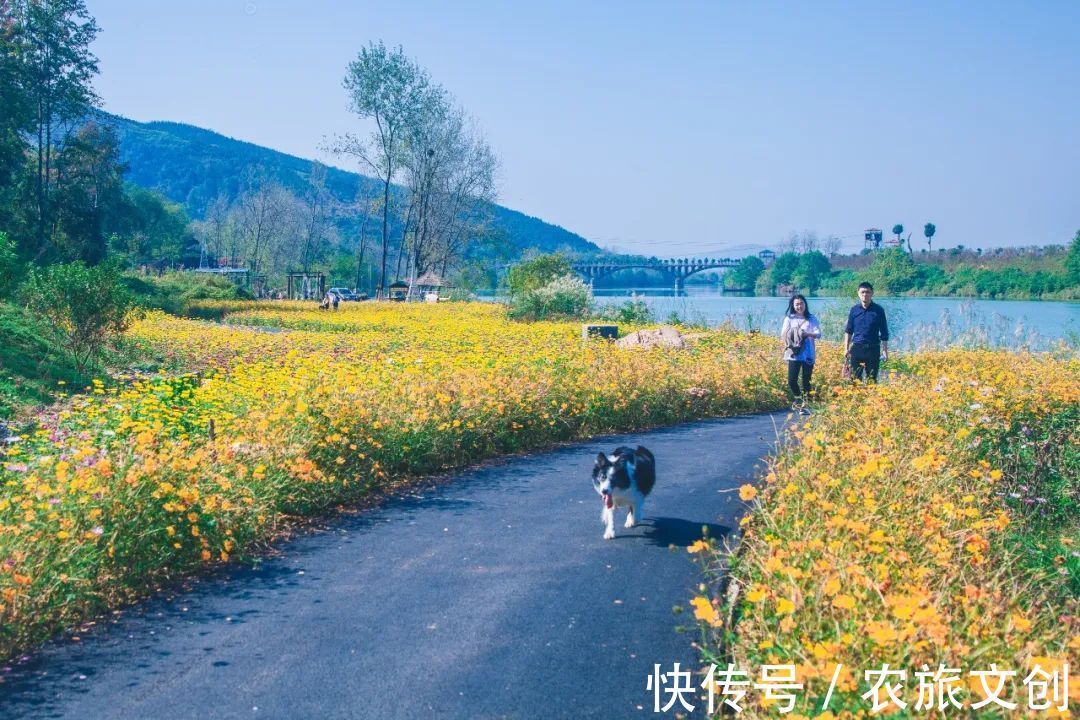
(11, 269)
(86, 307)
(151, 230)
(781, 271)
(15, 115)
(746, 274)
(897, 230)
(561, 298)
(31, 367)
(58, 67)
(929, 229)
(532, 274)
(89, 196)
(893, 272)
(632, 312)
(1072, 260)
(175, 292)
(1040, 457)
(811, 271)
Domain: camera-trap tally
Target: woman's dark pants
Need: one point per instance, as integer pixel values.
(794, 369)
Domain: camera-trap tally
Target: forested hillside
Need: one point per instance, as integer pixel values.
(193, 166)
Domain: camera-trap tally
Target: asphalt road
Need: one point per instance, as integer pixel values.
(490, 595)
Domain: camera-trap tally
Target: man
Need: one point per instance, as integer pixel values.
(866, 337)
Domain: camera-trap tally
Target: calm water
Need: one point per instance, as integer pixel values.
(913, 322)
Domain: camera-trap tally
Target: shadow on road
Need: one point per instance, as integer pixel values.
(667, 531)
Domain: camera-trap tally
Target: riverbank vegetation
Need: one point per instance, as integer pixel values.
(933, 518)
(285, 411)
(1037, 273)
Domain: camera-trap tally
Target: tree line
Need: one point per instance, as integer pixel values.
(64, 197)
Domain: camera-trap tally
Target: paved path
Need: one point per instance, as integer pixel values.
(490, 596)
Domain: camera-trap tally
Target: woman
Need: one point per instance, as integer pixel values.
(798, 334)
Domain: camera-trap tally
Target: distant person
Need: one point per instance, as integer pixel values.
(334, 299)
(866, 336)
(798, 334)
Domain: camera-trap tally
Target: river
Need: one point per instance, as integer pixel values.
(915, 323)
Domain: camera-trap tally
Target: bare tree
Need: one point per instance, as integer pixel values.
(450, 173)
(831, 245)
(218, 232)
(387, 88)
(263, 217)
(316, 221)
(367, 204)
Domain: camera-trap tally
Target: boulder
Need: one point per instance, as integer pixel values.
(666, 336)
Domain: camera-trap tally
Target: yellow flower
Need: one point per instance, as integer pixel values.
(747, 493)
(697, 546)
(844, 602)
(784, 606)
(705, 611)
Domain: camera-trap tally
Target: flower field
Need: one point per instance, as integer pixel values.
(934, 519)
(284, 411)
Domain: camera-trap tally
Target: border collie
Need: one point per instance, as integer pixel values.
(624, 478)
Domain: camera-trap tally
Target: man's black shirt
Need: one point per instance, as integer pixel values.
(867, 325)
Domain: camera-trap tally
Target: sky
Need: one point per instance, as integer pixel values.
(666, 128)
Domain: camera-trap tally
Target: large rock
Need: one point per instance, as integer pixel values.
(661, 337)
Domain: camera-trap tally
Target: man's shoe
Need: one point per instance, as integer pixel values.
(804, 411)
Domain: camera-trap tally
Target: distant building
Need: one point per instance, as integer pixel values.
(872, 238)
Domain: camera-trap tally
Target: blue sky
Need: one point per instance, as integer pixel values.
(672, 128)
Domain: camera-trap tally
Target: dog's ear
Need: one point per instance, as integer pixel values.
(602, 460)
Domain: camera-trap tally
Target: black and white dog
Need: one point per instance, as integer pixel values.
(623, 478)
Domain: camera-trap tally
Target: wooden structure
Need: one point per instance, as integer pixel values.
(241, 277)
(397, 291)
(428, 286)
(306, 286)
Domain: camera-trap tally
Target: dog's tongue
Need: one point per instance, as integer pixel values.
(608, 502)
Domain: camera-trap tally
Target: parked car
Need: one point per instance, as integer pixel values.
(344, 293)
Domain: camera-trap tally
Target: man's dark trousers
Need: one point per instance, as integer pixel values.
(865, 359)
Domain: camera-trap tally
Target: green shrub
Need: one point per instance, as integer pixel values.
(564, 297)
(533, 274)
(11, 269)
(86, 307)
(175, 292)
(631, 312)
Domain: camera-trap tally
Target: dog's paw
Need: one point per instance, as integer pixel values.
(630, 522)
(609, 534)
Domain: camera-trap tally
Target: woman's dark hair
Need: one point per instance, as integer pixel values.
(791, 304)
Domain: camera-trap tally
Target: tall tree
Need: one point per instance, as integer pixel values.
(316, 217)
(898, 229)
(450, 173)
(1072, 260)
(89, 193)
(15, 110)
(263, 218)
(928, 230)
(366, 204)
(386, 87)
(55, 38)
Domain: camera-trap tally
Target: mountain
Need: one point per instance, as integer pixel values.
(192, 166)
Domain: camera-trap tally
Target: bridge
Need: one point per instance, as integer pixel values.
(677, 270)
